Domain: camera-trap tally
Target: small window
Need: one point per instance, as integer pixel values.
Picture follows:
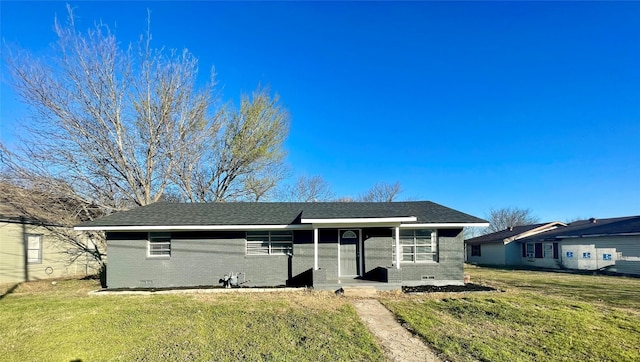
(34, 249)
(269, 243)
(530, 250)
(160, 244)
(475, 250)
(416, 245)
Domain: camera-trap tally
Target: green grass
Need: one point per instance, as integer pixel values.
(42, 322)
(541, 317)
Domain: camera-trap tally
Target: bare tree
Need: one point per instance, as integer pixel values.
(381, 192)
(501, 219)
(306, 189)
(243, 159)
(115, 127)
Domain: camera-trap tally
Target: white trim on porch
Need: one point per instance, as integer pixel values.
(444, 225)
(360, 220)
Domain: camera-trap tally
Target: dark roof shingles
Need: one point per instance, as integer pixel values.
(276, 213)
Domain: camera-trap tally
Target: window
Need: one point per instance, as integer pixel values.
(269, 243)
(416, 245)
(541, 251)
(34, 249)
(160, 244)
(530, 250)
(475, 250)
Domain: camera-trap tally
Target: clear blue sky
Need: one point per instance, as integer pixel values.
(472, 105)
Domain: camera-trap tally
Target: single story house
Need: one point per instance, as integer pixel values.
(319, 244)
(611, 244)
(29, 250)
(500, 248)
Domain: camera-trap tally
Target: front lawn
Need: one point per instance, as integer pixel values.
(45, 322)
(542, 316)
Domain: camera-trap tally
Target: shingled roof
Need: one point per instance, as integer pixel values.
(513, 233)
(627, 225)
(275, 213)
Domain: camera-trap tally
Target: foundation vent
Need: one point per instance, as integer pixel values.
(428, 277)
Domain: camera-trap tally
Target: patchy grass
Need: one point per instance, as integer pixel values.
(41, 321)
(541, 317)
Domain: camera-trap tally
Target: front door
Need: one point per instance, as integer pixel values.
(349, 252)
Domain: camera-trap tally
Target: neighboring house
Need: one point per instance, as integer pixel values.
(30, 251)
(322, 244)
(596, 244)
(611, 244)
(500, 248)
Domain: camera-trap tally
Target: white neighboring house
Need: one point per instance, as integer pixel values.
(611, 244)
(30, 251)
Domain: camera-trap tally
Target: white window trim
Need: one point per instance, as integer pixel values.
(153, 235)
(435, 253)
(269, 245)
(532, 254)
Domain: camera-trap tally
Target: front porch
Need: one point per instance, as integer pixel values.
(378, 279)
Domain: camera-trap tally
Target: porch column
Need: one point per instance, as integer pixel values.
(397, 247)
(315, 248)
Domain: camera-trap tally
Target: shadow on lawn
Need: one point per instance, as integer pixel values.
(9, 291)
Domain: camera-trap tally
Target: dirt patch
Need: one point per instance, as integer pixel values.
(397, 342)
(469, 287)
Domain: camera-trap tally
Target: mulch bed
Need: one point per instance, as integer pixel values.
(469, 287)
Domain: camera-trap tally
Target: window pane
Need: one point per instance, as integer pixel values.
(33, 241)
(160, 244)
(280, 237)
(281, 248)
(33, 256)
(423, 233)
(406, 233)
(423, 257)
(406, 241)
(257, 248)
(257, 236)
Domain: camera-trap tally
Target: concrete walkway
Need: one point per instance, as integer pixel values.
(397, 343)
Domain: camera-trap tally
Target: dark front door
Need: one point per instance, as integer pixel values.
(350, 252)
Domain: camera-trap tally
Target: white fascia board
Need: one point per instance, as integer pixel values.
(192, 227)
(445, 225)
(361, 220)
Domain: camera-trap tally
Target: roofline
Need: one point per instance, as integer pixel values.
(559, 238)
(540, 229)
(265, 227)
(595, 235)
(447, 225)
(188, 227)
(356, 220)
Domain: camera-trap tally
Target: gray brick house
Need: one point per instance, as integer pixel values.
(323, 244)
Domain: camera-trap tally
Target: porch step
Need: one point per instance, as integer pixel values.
(360, 291)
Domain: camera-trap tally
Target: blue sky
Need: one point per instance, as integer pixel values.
(474, 105)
